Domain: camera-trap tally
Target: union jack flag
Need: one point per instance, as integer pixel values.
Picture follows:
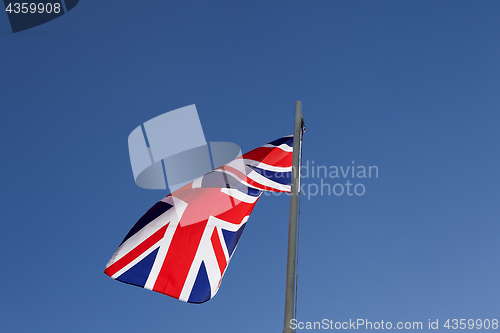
(182, 245)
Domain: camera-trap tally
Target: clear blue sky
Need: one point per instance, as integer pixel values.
(409, 87)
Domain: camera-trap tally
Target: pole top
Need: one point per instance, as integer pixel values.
(298, 108)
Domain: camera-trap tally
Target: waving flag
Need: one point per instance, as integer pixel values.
(181, 247)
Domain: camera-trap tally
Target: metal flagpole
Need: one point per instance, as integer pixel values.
(292, 226)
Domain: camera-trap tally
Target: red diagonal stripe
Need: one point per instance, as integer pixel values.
(219, 252)
(270, 156)
(136, 252)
